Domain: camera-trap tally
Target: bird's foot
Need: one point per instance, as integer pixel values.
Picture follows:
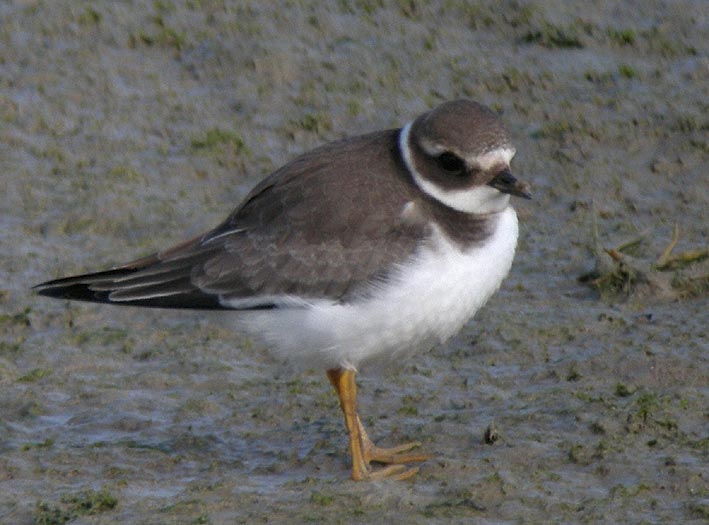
(394, 457)
(362, 449)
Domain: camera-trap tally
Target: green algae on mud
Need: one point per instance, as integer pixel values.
(72, 506)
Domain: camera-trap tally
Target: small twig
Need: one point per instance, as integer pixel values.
(683, 259)
(615, 254)
(632, 242)
(664, 259)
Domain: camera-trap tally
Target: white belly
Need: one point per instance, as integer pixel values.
(428, 300)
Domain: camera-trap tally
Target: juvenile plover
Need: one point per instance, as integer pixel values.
(366, 248)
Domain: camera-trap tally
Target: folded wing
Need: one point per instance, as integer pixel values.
(306, 233)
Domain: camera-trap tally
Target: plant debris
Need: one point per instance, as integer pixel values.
(620, 275)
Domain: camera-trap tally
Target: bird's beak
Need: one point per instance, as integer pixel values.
(506, 183)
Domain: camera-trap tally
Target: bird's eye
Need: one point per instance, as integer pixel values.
(451, 163)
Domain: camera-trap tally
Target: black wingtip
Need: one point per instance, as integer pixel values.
(76, 288)
(79, 288)
(76, 292)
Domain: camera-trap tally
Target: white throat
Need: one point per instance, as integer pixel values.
(478, 200)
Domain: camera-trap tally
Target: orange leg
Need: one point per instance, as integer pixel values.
(361, 447)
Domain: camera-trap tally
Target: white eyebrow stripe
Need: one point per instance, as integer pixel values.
(485, 161)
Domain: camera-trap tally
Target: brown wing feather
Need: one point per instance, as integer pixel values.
(323, 226)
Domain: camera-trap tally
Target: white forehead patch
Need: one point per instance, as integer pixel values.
(493, 158)
(478, 199)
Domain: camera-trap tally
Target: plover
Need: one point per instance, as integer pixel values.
(366, 248)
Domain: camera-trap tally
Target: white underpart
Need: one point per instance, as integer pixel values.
(479, 199)
(427, 300)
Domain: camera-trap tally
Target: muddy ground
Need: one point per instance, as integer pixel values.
(128, 126)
